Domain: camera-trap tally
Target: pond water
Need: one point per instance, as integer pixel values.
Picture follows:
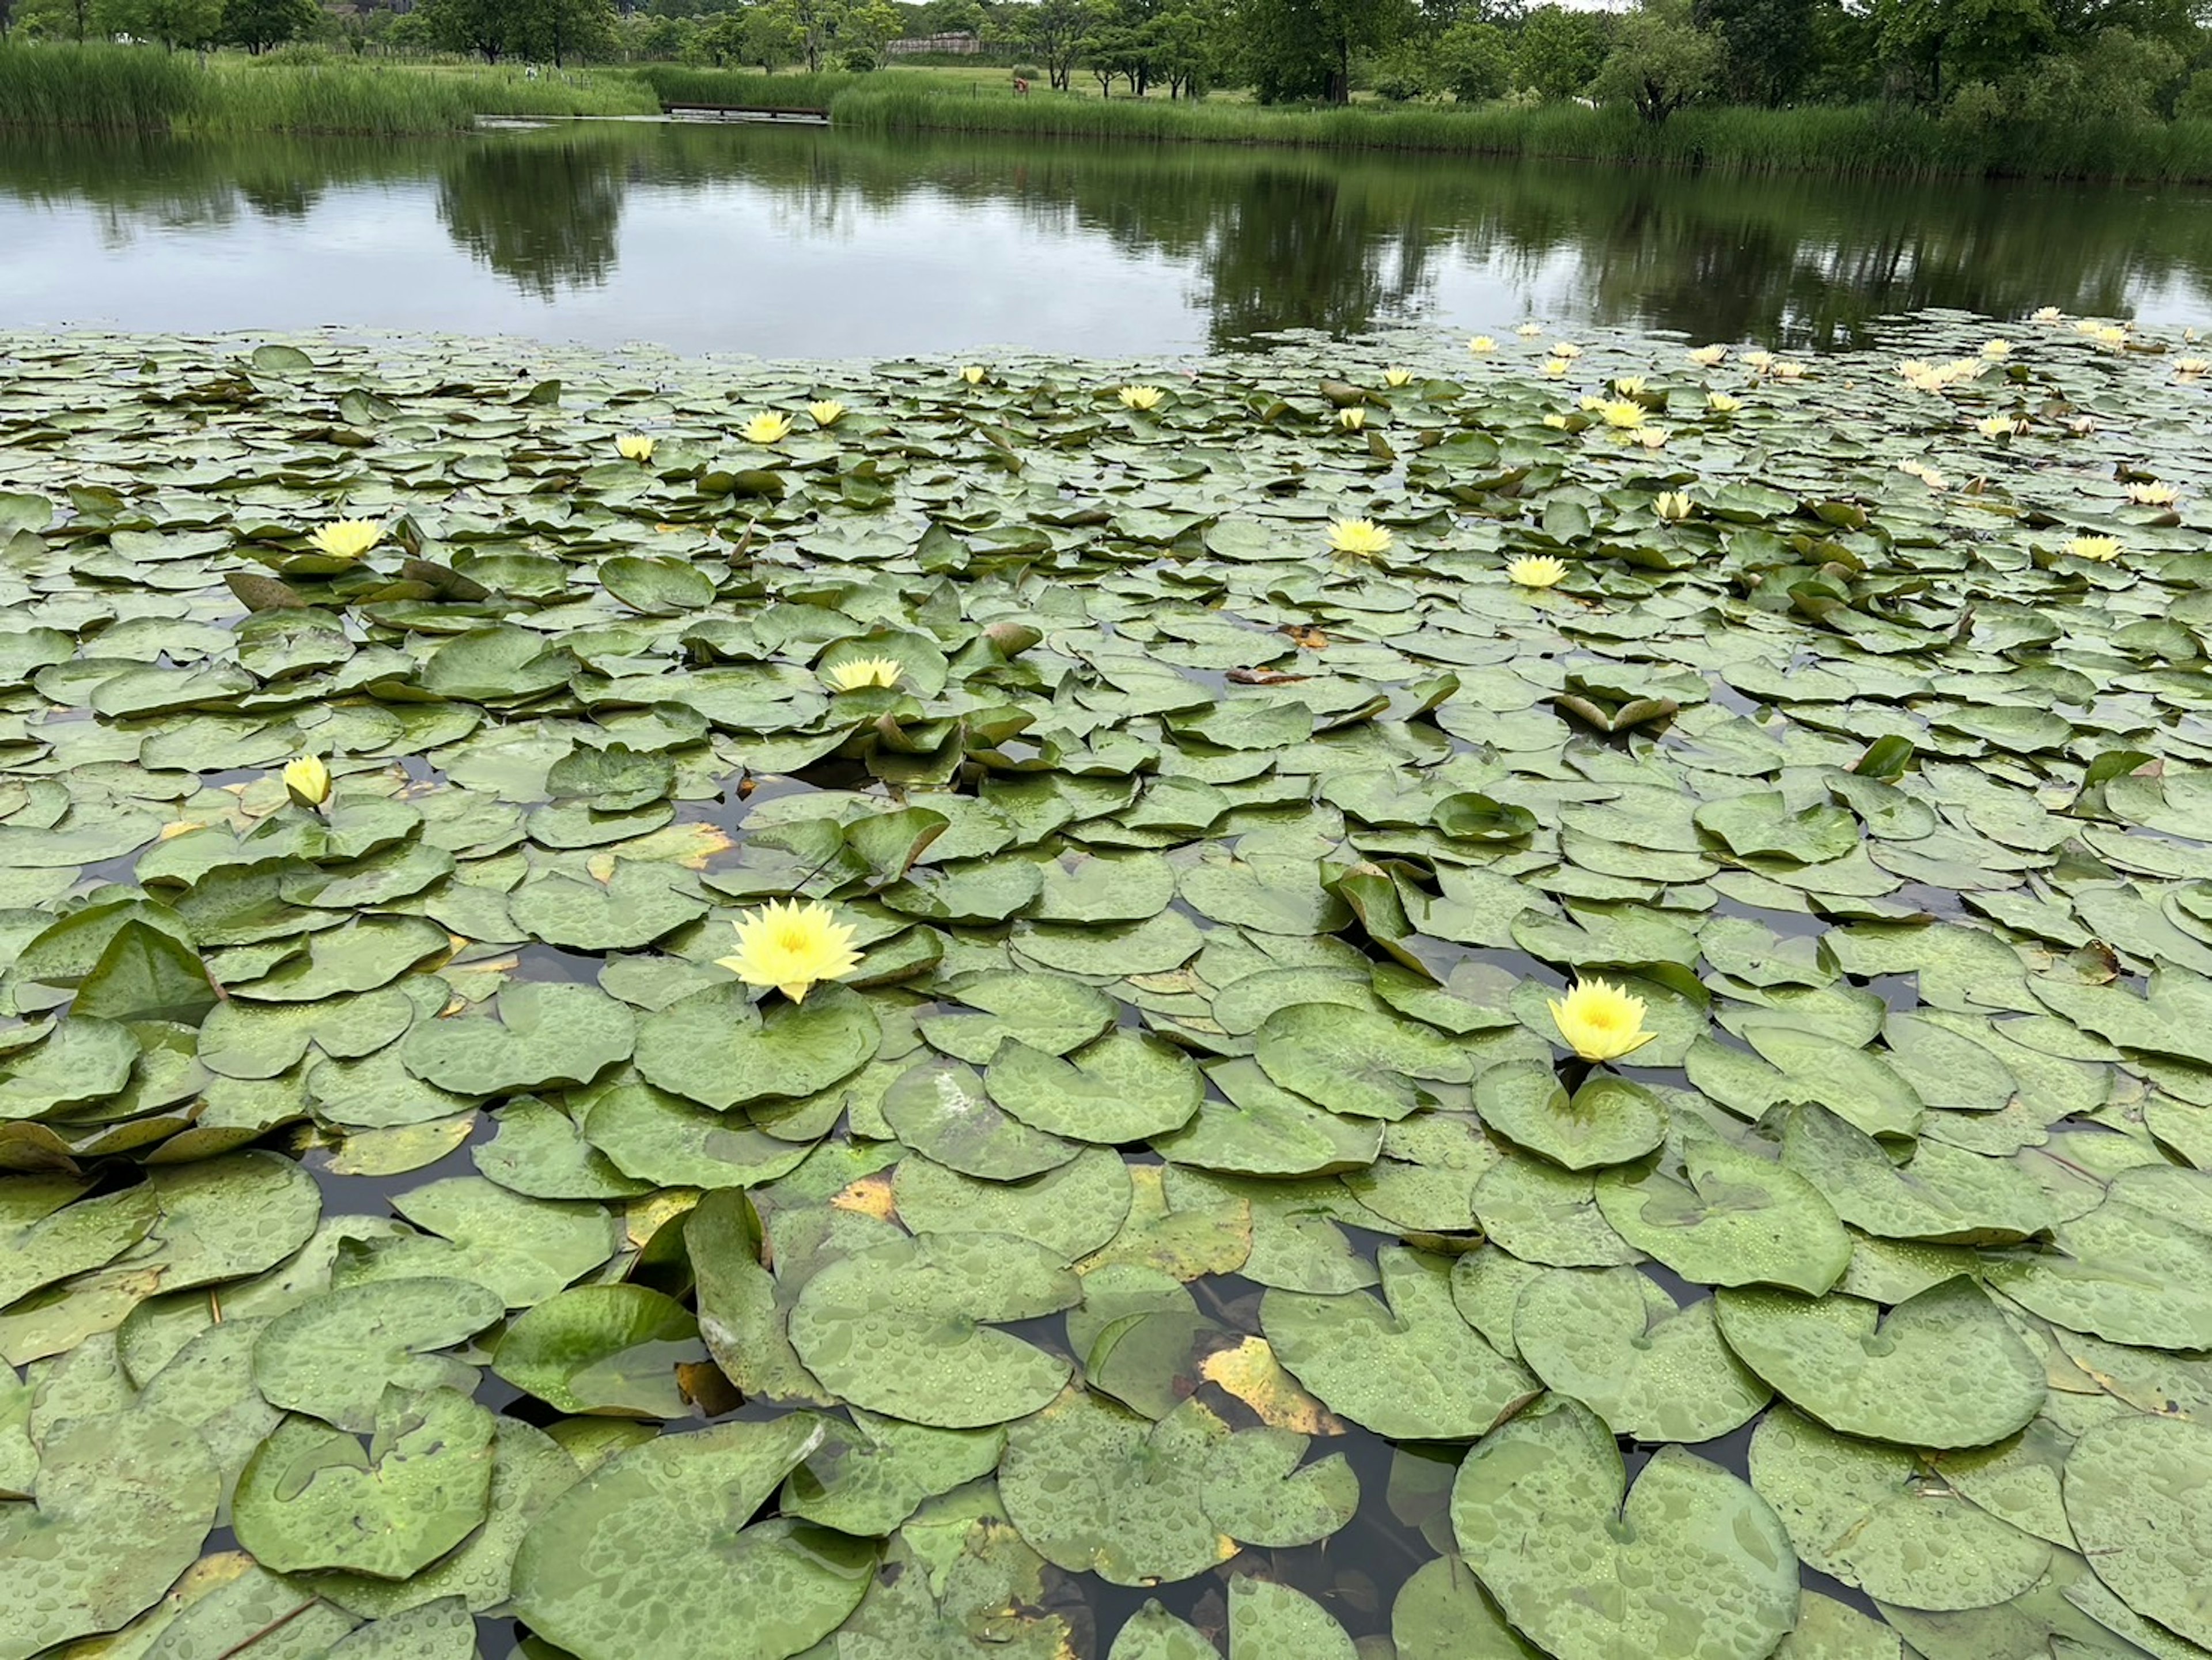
(834, 243)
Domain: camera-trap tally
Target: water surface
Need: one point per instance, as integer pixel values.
(825, 243)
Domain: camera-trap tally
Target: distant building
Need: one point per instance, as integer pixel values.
(963, 45)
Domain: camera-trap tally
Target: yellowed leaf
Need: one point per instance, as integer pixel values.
(1251, 1373)
(871, 1195)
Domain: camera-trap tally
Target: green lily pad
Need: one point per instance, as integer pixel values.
(1725, 1218)
(602, 1348)
(120, 1509)
(941, 1108)
(1689, 1561)
(1412, 1369)
(717, 1048)
(1123, 1087)
(546, 1036)
(635, 906)
(2139, 1498)
(315, 1496)
(663, 1527)
(1356, 1061)
(868, 1477)
(1618, 1343)
(1942, 1369)
(335, 1355)
(1609, 1121)
(905, 1327)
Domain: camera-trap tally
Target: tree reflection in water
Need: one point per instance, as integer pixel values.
(1263, 240)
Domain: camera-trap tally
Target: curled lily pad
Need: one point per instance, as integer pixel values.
(602, 1348)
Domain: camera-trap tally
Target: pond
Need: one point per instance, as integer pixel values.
(836, 245)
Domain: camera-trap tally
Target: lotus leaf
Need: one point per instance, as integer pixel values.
(1722, 1216)
(334, 1355)
(717, 1048)
(2139, 1497)
(545, 1035)
(1123, 1087)
(1356, 1061)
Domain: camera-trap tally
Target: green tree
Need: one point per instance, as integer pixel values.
(491, 29)
(1556, 52)
(1304, 48)
(1474, 61)
(1936, 44)
(1052, 32)
(172, 23)
(257, 24)
(1660, 61)
(562, 31)
(1768, 46)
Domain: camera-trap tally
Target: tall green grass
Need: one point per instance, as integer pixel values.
(105, 87)
(143, 89)
(1851, 140)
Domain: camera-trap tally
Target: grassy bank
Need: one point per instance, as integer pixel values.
(125, 88)
(141, 89)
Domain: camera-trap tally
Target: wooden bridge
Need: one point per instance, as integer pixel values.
(805, 117)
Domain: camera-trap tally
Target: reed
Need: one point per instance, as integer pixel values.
(142, 88)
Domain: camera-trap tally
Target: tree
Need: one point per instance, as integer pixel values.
(559, 30)
(1768, 46)
(1939, 44)
(1556, 52)
(1304, 48)
(1052, 32)
(489, 28)
(1660, 61)
(1474, 61)
(820, 28)
(257, 24)
(172, 23)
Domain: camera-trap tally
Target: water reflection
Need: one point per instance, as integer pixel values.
(837, 244)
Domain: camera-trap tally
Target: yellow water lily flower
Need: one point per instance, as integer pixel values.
(2103, 550)
(1997, 350)
(2048, 314)
(1759, 361)
(1360, 537)
(1530, 329)
(1786, 371)
(1482, 342)
(2000, 426)
(1721, 403)
(1599, 1021)
(858, 672)
(1351, 419)
(1140, 398)
(827, 413)
(1621, 414)
(347, 539)
(1705, 356)
(1566, 349)
(1395, 377)
(307, 780)
(973, 374)
(635, 447)
(1535, 570)
(2108, 334)
(793, 947)
(772, 429)
(1926, 474)
(1560, 420)
(1628, 385)
(1555, 367)
(1651, 437)
(2152, 495)
(1672, 504)
(2189, 368)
